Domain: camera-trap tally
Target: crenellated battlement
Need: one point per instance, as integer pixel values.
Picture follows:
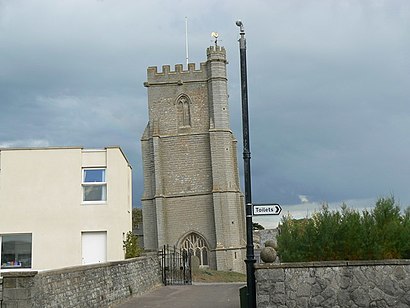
(216, 53)
(215, 49)
(177, 75)
(166, 69)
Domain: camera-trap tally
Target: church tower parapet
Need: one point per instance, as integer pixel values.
(216, 53)
(177, 76)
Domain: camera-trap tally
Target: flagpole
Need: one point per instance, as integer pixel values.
(186, 41)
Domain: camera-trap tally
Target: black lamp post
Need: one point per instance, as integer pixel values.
(250, 256)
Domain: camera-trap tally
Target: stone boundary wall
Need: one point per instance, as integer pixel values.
(99, 285)
(334, 284)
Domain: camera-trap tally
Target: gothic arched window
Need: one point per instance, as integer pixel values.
(197, 246)
(184, 110)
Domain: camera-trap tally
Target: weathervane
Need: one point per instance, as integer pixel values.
(215, 35)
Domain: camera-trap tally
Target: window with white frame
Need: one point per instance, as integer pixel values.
(15, 251)
(94, 185)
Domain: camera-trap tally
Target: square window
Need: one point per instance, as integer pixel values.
(94, 185)
(94, 175)
(94, 193)
(15, 251)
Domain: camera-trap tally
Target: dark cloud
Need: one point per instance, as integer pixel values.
(328, 84)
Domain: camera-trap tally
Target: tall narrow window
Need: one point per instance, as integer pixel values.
(94, 185)
(15, 251)
(184, 111)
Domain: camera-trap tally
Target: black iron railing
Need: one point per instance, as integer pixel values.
(176, 266)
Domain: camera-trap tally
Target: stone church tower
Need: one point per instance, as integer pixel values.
(192, 196)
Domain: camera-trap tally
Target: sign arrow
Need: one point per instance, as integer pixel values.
(266, 209)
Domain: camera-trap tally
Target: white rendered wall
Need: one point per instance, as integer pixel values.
(41, 194)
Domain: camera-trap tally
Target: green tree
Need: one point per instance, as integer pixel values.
(350, 233)
(383, 233)
(131, 246)
(136, 217)
(388, 228)
(405, 235)
(290, 235)
(369, 245)
(327, 226)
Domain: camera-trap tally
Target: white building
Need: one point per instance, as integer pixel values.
(63, 206)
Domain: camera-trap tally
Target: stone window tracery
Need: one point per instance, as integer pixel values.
(197, 246)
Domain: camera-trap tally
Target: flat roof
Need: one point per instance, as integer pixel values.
(68, 148)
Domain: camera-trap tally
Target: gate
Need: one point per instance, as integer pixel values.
(176, 266)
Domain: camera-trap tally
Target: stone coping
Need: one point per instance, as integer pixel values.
(332, 264)
(15, 274)
(72, 269)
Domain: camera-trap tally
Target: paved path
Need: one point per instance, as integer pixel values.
(214, 295)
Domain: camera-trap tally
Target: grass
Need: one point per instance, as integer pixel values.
(208, 275)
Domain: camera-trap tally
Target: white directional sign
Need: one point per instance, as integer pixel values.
(266, 209)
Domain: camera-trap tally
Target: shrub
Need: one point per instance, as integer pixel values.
(131, 246)
(382, 233)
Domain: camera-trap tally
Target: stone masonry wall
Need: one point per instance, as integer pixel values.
(99, 285)
(334, 284)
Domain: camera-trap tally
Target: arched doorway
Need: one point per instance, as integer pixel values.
(196, 244)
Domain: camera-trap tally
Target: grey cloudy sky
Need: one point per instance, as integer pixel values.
(328, 85)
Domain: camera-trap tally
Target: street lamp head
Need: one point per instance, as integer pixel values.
(239, 23)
